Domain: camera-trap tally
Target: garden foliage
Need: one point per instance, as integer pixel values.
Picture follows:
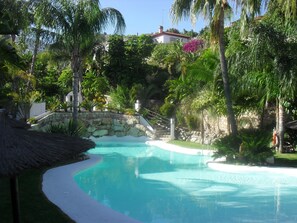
(248, 147)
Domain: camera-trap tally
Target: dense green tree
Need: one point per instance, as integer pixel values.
(197, 91)
(265, 62)
(115, 62)
(137, 50)
(173, 30)
(76, 24)
(94, 87)
(171, 57)
(126, 59)
(190, 33)
(13, 16)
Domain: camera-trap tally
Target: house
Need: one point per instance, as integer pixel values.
(168, 37)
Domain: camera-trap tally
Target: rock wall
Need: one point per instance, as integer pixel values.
(99, 124)
(214, 127)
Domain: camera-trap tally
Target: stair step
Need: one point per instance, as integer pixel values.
(165, 138)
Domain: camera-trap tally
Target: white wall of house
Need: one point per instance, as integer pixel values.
(69, 97)
(37, 109)
(165, 38)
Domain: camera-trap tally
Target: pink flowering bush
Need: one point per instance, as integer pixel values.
(193, 46)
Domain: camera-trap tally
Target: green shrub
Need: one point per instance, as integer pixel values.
(167, 109)
(88, 105)
(120, 98)
(68, 128)
(191, 122)
(32, 120)
(249, 147)
(65, 106)
(255, 147)
(228, 147)
(53, 104)
(129, 111)
(56, 128)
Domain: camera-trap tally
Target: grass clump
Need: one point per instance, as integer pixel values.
(285, 159)
(190, 145)
(34, 206)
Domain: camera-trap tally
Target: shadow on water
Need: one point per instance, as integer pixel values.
(153, 188)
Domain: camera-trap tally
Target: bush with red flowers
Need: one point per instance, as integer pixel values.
(193, 46)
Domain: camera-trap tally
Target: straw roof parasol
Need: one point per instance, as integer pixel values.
(22, 149)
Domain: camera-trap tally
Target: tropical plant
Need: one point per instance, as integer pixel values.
(54, 104)
(65, 106)
(68, 128)
(120, 98)
(248, 147)
(193, 46)
(266, 62)
(65, 81)
(76, 24)
(88, 105)
(115, 63)
(255, 147)
(94, 86)
(227, 147)
(13, 17)
(215, 11)
(125, 61)
(167, 109)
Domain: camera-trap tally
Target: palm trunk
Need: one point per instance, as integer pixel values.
(75, 65)
(281, 128)
(224, 68)
(277, 114)
(35, 51)
(15, 200)
(202, 128)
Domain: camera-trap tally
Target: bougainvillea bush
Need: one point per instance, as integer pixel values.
(193, 46)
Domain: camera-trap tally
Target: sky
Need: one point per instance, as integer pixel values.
(146, 16)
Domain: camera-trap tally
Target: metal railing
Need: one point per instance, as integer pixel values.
(159, 122)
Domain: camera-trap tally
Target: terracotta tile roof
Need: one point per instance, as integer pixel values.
(170, 34)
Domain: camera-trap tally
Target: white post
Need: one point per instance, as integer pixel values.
(137, 106)
(137, 109)
(172, 128)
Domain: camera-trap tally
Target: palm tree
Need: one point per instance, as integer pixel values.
(76, 24)
(215, 12)
(266, 62)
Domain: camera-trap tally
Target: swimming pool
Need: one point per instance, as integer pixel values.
(154, 185)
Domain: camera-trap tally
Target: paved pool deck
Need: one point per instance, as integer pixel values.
(61, 189)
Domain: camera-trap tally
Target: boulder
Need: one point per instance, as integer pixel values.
(100, 133)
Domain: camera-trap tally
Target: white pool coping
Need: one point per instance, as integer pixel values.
(289, 171)
(60, 187)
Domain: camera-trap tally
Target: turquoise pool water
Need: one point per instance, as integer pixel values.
(154, 185)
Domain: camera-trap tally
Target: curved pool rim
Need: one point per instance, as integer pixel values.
(60, 187)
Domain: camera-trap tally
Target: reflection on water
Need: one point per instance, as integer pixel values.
(154, 185)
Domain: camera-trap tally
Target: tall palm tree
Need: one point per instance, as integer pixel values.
(266, 62)
(215, 11)
(76, 24)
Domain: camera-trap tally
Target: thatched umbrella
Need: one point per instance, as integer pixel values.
(22, 149)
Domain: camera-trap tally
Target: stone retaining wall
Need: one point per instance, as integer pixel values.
(213, 127)
(99, 123)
